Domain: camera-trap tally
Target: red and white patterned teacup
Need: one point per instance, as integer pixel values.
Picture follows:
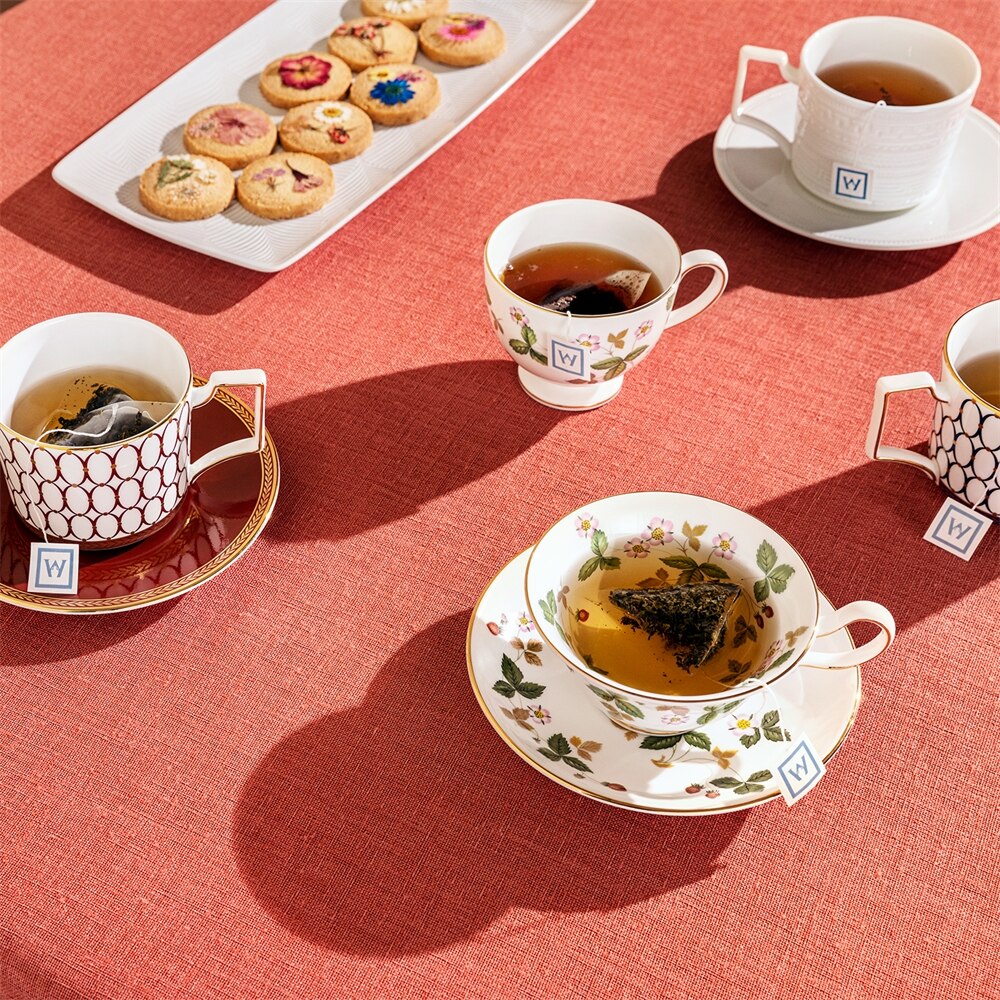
(115, 494)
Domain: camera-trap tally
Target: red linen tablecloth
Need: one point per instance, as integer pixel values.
(281, 785)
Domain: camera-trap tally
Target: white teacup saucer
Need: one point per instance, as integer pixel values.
(537, 705)
(757, 174)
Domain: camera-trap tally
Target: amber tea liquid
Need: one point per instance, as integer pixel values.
(895, 84)
(38, 409)
(636, 659)
(536, 274)
(982, 376)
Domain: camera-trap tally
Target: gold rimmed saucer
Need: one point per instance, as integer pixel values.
(540, 711)
(218, 520)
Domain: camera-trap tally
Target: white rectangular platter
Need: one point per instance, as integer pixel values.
(104, 170)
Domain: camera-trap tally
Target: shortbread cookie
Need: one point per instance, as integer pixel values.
(372, 41)
(332, 130)
(461, 39)
(412, 13)
(232, 133)
(396, 95)
(303, 77)
(285, 185)
(183, 188)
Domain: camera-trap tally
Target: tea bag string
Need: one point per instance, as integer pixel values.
(867, 123)
(765, 690)
(85, 434)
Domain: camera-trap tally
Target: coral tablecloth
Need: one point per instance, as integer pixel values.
(281, 784)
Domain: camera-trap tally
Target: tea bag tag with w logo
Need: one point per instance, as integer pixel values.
(958, 529)
(799, 771)
(54, 568)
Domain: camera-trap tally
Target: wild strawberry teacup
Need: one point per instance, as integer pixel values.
(578, 362)
(654, 540)
(116, 493)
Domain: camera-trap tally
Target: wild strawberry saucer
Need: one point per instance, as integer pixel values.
(725, 761)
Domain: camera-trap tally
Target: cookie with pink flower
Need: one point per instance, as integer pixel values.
(461, 39)
(285, 185)
(396, 94)
(412, 13)
(234, 134)
(372, 41)
(332, 130)
(305, 76)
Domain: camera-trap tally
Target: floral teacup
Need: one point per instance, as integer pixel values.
(578, 362)
(777, 612)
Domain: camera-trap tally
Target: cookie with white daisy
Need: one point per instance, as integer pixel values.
(461, 39)
(412, 13)
(303, 77)
(233, 133)
(285, 185)
(372, 41)
(332, 130)
(184, 188)
(397, 94)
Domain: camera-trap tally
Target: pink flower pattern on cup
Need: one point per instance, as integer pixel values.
(586, 526)
(725, 545)
(637, 548)
(660, 531)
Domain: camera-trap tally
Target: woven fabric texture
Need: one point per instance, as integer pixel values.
(281, 785)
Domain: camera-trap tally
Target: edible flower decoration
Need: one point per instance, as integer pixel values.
(232, 125)
(304, 72)
(459, 28)
(395, 91)
(270, 175)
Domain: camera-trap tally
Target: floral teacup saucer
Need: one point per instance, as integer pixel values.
(724, 762)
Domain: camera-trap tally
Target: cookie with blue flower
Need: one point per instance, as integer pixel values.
(461, 39)
(396, 94)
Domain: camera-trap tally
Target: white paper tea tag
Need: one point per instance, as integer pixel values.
(799, 770)
(958, 529)
(54, 568)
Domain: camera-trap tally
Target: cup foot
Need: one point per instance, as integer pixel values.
(566, 396)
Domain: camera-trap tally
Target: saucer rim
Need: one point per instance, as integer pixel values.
(721, 145)
(267, 496)
(587, 793)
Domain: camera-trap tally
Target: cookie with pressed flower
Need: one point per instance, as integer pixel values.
(396, 95)
(285, 185)
(412, 13)
(303, 77)
(183, 188)
(372, 41)
(461, 39)
(236, 134)
(332, 130)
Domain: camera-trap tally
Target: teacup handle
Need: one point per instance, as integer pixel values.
(691, 260)
(856, 611)
(789, 73)
(885, 387)
(251, 445)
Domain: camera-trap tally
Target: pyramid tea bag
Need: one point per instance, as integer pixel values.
(80, 411)
(611, 294)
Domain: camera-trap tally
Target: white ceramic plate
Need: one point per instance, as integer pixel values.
(555, 726)
(105, 169)
(755, 171)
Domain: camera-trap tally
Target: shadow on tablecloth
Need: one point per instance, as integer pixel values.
(59, 223)
(694, 205)
(403, 825)
(369, 453)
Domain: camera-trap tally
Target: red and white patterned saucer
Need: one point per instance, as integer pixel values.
(219, 518)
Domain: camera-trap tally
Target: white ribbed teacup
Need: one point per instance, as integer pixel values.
(871, 157)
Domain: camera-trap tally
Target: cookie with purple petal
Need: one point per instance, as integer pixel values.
(232, 133)
(396, 94)
(372, 41)
(303, 77)
(412, 13)
(461, 39)
(332, 130)
(285, 185)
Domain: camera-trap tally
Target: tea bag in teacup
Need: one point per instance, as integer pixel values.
(110, 415)
(614, 293)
